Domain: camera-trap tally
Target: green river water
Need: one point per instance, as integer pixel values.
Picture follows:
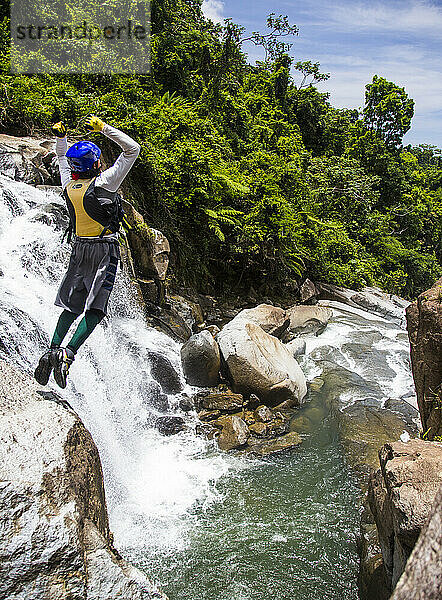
(284, 528)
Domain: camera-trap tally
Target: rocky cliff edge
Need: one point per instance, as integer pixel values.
(55, 541)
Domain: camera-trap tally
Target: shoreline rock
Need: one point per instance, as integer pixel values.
(56, 541)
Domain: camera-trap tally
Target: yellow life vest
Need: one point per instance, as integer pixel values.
(92, 209)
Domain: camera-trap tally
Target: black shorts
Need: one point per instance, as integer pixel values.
(90, 276)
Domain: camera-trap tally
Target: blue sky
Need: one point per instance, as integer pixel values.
(400, 40)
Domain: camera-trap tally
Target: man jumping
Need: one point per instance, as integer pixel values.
(92, 202)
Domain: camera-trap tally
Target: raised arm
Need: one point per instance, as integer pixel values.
(112, 178)
(61, 146)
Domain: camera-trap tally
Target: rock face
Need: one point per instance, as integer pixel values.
(55, 539)
(307, 319)
(422, 579)
(258, 363)
(201, 360)
(28, 159)
(424, 323)
(400, 497)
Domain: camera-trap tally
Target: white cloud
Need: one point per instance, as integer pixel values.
(418, 16)
(213, 9)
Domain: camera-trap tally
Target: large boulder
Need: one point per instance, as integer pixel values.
(55, 540)
(234, 433)
(271, 319)
(306, 319)
(422, 578)
(400, 497)
(258, 363)
(424, 323)
(201, 360)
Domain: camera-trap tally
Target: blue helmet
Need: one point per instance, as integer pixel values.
(82, 156)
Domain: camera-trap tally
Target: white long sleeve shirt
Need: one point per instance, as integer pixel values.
(111, 178)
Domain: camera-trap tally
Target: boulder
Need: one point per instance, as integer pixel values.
(258, 363)
(55, 540)
(372, 300)
(263, 414)
(307, 320)
(270, 318)
(424, 324)
(400, 496)
(307, 291)
(296, 347)
(224, 400)
(200, 359)
(277, 446)
(164, 372)
(422, 578)
(170, 424)
(234, 433)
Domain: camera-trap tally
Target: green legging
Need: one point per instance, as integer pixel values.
(85, 327)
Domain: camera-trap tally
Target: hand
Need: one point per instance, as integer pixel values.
(93, 123)
(59, 129)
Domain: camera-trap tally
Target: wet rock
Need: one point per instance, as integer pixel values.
(271, 319)
(186, 404)
(306, 320)
(401, 495)
(153, 396)
(206, 430)
(372, 300)
(404, 408)
(372, 578)
(189, 311)
(21, 160)
(301, 424)
(279, 425)
(213, 329)
(422, 578)
(200, 359)
(170, 425)
(223, 400)
(234, 434)
(164, 372)
(209, 415)
(55, 539)
(259, 429)
(149, 247)
(424, 324)
(53, 214)
(371, 358)
(365, 429)
(263, 414)
(258, 363)
(307, 291)
(296, 347)
(277, 446)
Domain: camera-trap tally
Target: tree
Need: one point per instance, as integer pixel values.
(388, 110)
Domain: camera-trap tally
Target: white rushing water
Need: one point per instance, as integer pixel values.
(154, 484)
(151, 480)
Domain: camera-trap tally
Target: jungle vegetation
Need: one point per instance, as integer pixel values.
(251, 173)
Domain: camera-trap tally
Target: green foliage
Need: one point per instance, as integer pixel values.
(252, 175)
(388, 110)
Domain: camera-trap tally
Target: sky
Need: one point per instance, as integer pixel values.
(400, 40)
